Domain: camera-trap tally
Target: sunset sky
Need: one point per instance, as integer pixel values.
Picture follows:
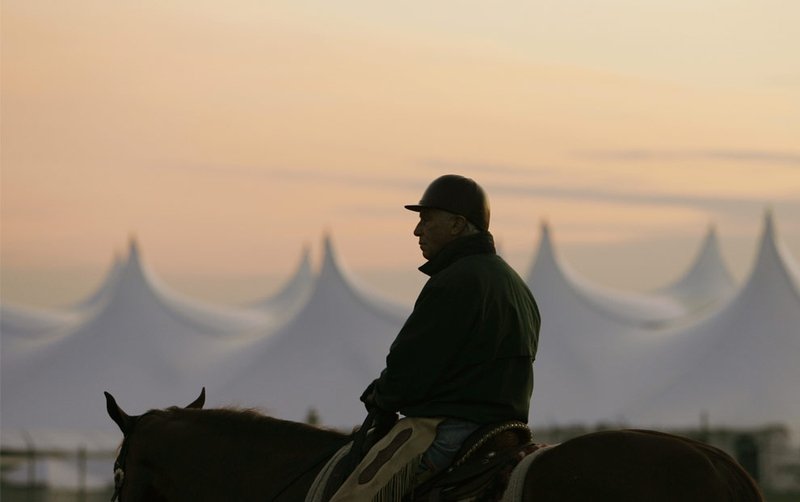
(228, 136)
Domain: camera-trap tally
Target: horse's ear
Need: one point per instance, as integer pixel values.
(200, 401)
(117, 415)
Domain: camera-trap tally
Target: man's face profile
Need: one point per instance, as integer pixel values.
(435, 229)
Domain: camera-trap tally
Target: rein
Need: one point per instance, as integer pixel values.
(358, 437)
(306, 469)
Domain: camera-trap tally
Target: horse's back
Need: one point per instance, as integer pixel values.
(635, 465)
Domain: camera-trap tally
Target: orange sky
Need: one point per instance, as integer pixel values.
(228, 136)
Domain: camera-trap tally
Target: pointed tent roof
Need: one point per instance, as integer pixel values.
(27, 322)
(590, 366)
(324, 358)
(107, 285)
(136, 344)
(21, 321)
(707, 281)
(620, 307)
(24, 329)
(205, 317)
(702, 286)
(581, 347)
(741, 364)
(589, 369)
(22, 326)
(295, 292)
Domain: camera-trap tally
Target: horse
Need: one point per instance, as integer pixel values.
(191, 454)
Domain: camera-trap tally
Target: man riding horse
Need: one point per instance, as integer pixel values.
(462, 360)
(465, 354)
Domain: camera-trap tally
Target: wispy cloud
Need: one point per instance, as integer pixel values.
(740, 156)
(601, 194)
(541, 185)
(485, 167)
(299, 174)
(547, 182)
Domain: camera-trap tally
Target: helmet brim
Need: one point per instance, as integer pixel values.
(456, 195)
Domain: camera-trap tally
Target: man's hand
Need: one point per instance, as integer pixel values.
(382, 420)
(368, 397)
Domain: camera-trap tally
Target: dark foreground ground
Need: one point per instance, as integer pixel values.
(21, 494)
(10, 493)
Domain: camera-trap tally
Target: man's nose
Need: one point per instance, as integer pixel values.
(418, 229)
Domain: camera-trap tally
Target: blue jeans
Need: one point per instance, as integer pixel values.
(450, 435)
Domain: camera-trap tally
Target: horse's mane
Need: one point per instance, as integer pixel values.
(242, 420)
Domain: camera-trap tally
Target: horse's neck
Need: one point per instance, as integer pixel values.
(279, 442)
(296, 453)
(259, 453)
(299, 460)
(297, 441)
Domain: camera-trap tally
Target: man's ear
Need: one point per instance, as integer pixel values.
(458, 225)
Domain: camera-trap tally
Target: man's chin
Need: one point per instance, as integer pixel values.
(428, 255)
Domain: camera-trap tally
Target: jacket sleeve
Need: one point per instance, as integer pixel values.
(432, 337)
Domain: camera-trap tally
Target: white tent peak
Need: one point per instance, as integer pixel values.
(771, 243)
(133, 248)
(545, 253)
(334, 275)
(324, 357)
(111, 277)
(329, 265)
(295, 291)
(141, 340)
(619, 306)
(134, 270)
(769, 220)
(739, 364)
(136, 287)
(773, 259)
(545, 229)
(707, 280)
(546, 257)
(327, 249)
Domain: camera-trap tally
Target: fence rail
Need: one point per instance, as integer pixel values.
(29, 458)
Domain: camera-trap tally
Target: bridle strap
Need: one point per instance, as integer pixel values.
(119, 463)
(119, 469)
(354, 456)
(119, 478)
(306, 469)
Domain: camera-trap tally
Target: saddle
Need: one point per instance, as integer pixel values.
(482, 467)
(480, 471)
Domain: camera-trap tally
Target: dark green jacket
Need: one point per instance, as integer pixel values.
(467, 349)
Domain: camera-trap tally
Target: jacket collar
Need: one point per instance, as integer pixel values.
(482, 243)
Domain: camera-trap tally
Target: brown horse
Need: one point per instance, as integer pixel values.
(190, 454)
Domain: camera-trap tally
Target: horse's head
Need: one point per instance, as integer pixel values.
(127, 424)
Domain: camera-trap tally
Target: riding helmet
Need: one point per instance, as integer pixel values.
(458, 195)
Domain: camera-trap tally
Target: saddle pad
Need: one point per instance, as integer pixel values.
(389, 467)
(516, 482)
(317, 490)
